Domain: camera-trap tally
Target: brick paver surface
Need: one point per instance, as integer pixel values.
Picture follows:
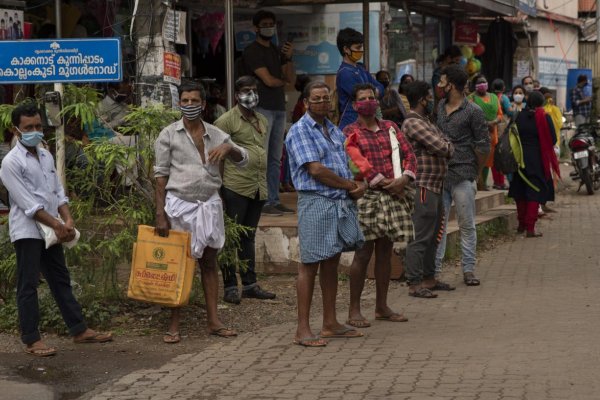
(529, 332)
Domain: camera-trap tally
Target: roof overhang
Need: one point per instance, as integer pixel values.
(440, 8)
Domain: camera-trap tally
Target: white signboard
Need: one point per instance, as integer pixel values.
(174, 26)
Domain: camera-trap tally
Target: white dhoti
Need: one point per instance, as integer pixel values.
(203, 219)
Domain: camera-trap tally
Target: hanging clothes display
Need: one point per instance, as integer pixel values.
(500, 43)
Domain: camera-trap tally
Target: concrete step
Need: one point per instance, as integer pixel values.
(277, 248)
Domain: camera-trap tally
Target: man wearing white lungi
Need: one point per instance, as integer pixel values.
(189, 154)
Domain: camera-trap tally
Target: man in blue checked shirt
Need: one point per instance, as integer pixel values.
(327, 215)
(582, 104)
(37, 195)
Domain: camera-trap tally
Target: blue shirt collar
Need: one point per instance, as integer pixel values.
(313, 124)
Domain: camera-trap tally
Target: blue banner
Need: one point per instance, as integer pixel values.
(60, 60)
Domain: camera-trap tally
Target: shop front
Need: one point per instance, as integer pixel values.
(403, 37)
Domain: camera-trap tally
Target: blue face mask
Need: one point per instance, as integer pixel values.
(429, 107)
(31, 139)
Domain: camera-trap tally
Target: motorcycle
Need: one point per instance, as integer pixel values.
(584, 157)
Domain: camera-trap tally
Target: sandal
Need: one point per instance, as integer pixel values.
(423, 293)
(534, 234)
(442, 286)
(343, 333)
(470, 280)
(223, 332)
(358, 323)
(97, 337)
(40, 350)
(313, 341)
(171, 337)
(394, 317)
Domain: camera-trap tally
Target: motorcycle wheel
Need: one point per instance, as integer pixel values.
(586, 178)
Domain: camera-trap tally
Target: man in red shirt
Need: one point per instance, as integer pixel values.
(382, 157)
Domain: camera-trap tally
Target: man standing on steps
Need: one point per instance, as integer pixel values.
(327, 216)
(350, 44)
(464, 124)
(386, 162)
(274, 69)
(244, 190)
(433, 149)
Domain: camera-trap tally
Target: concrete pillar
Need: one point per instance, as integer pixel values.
(149, 84)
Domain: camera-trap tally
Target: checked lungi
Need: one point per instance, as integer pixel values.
(326, 227)
(382, 215)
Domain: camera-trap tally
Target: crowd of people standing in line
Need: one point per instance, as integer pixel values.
(377, 176)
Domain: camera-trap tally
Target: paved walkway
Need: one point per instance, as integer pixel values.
(529, 332)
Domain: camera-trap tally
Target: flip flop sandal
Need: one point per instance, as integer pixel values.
(423, 293)
(95, 338)
(313, 341)
(223, 332)
(470, 280)
(395, 317)
(442, 286)
(42, 351)
(171, 337)
(534, 234)
(358, 323)
(346, 332)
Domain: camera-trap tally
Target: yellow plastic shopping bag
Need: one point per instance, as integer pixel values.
(162, 269)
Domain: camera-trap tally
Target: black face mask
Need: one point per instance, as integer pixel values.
(385, 83)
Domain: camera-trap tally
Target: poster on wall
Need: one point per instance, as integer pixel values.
(172, 68)
(314, 40)
(12, 25)
(465, 33)
(174, 26)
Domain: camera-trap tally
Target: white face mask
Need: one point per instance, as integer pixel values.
(529, 87)
(518, 98)
(248, 100)
(267, 32)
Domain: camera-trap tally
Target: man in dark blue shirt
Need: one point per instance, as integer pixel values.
(350, 44)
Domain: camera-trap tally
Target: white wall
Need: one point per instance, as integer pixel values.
(562, 7)
(552, 63)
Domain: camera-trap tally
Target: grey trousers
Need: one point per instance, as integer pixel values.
(420, 252)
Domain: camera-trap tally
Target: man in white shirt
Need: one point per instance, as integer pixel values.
(37, 196)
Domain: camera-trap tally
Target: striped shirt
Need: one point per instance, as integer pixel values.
(468, 131)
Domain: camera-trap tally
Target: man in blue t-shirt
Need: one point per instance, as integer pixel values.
(350, 44)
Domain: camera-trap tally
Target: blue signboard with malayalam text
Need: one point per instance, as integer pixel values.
(60, 60)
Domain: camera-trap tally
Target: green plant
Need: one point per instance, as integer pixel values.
(111, 194)
(80, 102)
(8, 263)
(5, 120)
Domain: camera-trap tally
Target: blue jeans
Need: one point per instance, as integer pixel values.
(274, 146)
(463, 195)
